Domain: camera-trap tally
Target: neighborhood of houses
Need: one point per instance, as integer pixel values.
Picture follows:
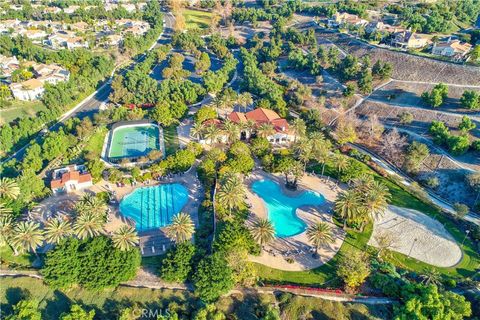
(41, 74)
(398, 37)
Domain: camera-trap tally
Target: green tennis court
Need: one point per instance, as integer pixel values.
(134, 141)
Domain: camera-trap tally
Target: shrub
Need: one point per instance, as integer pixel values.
(177, 265)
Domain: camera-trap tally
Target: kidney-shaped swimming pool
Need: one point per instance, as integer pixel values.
(282, 208)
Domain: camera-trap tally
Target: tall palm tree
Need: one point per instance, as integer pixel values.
(92, 204)
(9, 188)
(197, 130)
(87, 225)
(181, 229)
(4, 210)
(27, 236)
(231, 193)
(304, 149)
(125, 238)
(376, 199)
(299, 128)
(341, 163)
(431, 276)
(262, 231)
(212, 132)
(248, 126)
(320, 234)
(6, 228)
(347, 206)
(232, 130)
(245, 99)
(57, 229)
(264, 130)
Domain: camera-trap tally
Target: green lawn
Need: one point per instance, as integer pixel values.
(105, 302)
(197, 19)
(20, 109)
(325, 275)
(95, 144)
(10, 261)
(171, 139)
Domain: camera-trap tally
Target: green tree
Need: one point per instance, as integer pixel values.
(96, 167)
(177, 265)
(262, 231)
(470, 99)
(9, 188)
(25, 310)
(416, 153)
(78, 313)
(56, 230)
(27, 236)
(203, 63)
(353, 269)
(87, 225)
(466, 124)
(181, 229)
(436, 97)
(320, 234)
(213, 278)
(231, 193)
(125, 238)
(347, 206)
(205, 113)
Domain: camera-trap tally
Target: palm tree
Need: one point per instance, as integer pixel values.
(248, 126)
(262, 231)
(125, 238)
(56, 230)
(9, 188)
(4, 210)
(299, 128)
(231, 193)
(347, 206)
(264, 130)
(245, 99)
(6, 226)
(197, 130)
(376, 199)
(87, 225)
(320, 148)
(27, 236)
(341, 163)
(320, 234)
(232, 130)
(92, 204)
(304, 149)
(212, 132)
(431, 276)
(181, 229)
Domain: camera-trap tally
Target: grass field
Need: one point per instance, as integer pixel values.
(20, 109)
(171, 139)
(95, 144)
(10, 261)
(325, 275)
(197, 19)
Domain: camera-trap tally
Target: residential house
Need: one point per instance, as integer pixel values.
(379, 26)
(8, 65)
(32, 34)
(51, 73)
(452, 48)
(65, 39)
(346, 19)
(80, 26)
(71, 9)
(408, 40)
(27, 90)
(281, 134)
(70, 178)
(53, 10)
(113, 40)
(7, 25)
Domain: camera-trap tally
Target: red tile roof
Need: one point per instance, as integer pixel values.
(237, 117)
(70, 176)
(259, 116)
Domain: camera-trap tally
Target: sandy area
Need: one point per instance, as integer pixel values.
(418, 236)
(276, 253)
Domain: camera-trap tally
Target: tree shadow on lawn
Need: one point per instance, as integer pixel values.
(56, 305)
(13, 296)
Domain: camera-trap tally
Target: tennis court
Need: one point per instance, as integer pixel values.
(134, 141)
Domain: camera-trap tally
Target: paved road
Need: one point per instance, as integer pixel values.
(92, 104)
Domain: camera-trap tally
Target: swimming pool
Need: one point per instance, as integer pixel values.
(131, 141)
(154, 207)
(282, 208)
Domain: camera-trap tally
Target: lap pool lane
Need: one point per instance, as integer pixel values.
(282, 208)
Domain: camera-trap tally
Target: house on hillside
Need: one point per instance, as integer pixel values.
(8, 65)
(408, 40)
(346, 19)
(27, 90)
(64, 39)
(70, 178)
(452, 49)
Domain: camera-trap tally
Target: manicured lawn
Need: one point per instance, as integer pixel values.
(106, 302)
(20, 109)
(197, 19)
(95, 143)
(9, 260)
(325, 275)
(171, 139)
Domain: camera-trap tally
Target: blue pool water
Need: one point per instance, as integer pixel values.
(281, 208)
(154, 207)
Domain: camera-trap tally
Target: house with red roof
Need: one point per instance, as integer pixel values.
(70, 178)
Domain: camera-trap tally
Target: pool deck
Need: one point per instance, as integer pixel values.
(297, 247)
(153, 242)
